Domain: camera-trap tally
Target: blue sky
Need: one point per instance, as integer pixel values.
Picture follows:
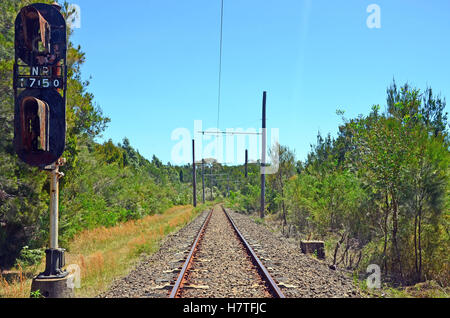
(154, 63)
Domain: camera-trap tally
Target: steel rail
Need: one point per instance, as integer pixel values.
(272, 285)
(179, 282)
(276, 291)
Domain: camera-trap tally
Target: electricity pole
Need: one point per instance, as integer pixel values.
(211, 183)
(246, 163)
(228, 185)
(263, 156)
(203, 180)
(194, 181)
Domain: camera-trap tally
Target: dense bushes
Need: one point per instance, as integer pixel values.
(377, 194)
(102, 194)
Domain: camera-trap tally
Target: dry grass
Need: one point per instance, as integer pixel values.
(103, 254)
(14, 284)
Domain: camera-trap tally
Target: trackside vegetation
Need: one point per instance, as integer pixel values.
(378, 193)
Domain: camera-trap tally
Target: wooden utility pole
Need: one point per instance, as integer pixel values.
(194, 181)
(263, 156)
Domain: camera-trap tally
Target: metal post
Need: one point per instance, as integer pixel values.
(54, 196)
(194, 181)
(203, 180)
(246, 163)
(263, 156)
(55, 174)
(54, 261)
(54, 282)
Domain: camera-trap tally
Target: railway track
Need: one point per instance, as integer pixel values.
(221, 263)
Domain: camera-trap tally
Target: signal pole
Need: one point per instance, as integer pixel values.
(55, 175)
(263, 156)
(40, 86)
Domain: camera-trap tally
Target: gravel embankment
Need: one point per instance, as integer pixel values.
(298, 275)
(153, 276)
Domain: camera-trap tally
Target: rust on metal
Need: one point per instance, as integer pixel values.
(35, 28)
(40, 35)
(39, 127)
(34, 124)
(275, 290)
(181, 276)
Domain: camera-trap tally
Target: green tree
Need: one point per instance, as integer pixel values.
(284, 159)
(403, 159)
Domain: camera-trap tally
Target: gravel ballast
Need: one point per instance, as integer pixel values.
(221, 267)
(154, 275)
(298, 275)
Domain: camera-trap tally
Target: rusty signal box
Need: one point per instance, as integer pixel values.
(40, 79)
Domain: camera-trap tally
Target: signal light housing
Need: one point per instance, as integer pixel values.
(40, 84)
